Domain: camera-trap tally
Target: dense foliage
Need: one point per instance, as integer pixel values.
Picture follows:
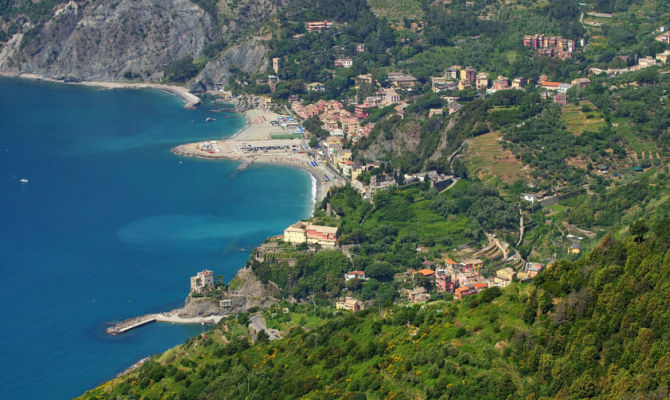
(596, 328)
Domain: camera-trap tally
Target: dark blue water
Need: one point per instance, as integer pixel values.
(111, 225)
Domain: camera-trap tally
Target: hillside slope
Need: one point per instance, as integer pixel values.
(596, 328)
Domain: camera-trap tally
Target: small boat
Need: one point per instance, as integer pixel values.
(23, 180)
(209, 119)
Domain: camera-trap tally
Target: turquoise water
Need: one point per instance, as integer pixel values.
(111, 225)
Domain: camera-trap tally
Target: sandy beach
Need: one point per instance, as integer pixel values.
(189, 98)
(253, 144)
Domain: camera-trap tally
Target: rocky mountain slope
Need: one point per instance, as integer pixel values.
(116, 39)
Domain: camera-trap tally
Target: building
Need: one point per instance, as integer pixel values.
(501, 83)
(469, 75)
(575, 248)
(519, 83)
(503, 277)
(482, 81)
(452, 72)
(532, 269)
(391, 96)
(664, 37)
(318, 26)
(303, 232)
(202, 282)
(417, 295)
(440, 84)
(400, 80)
(463, 291)
(561, 99)
(276, 64)
(581, 82)
(663, 57)
(645, 62)
(343, 62)
(443, 281)
(474, 263)
(316, 87)
(349, 304)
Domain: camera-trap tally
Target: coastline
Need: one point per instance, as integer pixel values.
(190, 100)
(257, 133)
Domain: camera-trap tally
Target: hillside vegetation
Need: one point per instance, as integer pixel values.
(595, 328)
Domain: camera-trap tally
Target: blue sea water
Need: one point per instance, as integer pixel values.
(111, 225)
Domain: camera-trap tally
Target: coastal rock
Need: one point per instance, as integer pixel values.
(115, 39)
(103, 40)
(248, 56)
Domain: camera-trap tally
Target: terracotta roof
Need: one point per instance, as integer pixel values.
(426, 272)
(551, 84)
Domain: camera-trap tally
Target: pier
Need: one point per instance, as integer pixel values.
(132, 323)
(171, 317)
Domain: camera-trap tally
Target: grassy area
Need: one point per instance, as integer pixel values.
(396, 10)
(287, 136)
(577, 121)
(485, 158)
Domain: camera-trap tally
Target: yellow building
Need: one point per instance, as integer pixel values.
(349, 304)
(295, 233)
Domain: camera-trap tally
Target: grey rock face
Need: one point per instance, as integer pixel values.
(104, 39)
(249, 56)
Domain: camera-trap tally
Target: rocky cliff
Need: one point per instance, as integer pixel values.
(113, 39)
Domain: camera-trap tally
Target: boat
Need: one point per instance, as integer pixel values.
(209, 119)
(23, 180)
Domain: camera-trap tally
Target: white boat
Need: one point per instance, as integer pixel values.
(23, 180)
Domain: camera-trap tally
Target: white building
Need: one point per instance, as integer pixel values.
(202, 281)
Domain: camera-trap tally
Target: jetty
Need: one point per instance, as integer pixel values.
(131, 323)
(172, 317)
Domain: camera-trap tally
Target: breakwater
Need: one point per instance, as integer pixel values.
(172, 317)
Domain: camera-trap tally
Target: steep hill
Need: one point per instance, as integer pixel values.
(114, 40)
(596, 328)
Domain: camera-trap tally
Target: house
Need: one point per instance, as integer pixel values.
(581, 82)
(575, 248)
(452, 72)
(450, 262)
(202, 281)
(548, 85)
(417, 295)
(366, 78)
(463, 291)
(361, 111)
(529, 197)
(470, 75)
(443, 281)
(425, 272)
(482, 81)
(645, 62)
(391, 96)
(349, 304)
(501, 83)
(503, 277)
(401, 80)
(532, 269)
(360, 48)
(519, 83)
(343, 62)
(318, 26)
(316, 87)
(663, 57)
(440, 84)
(561, 99)
(664, 37)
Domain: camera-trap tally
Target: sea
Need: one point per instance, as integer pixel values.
(100, 222)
